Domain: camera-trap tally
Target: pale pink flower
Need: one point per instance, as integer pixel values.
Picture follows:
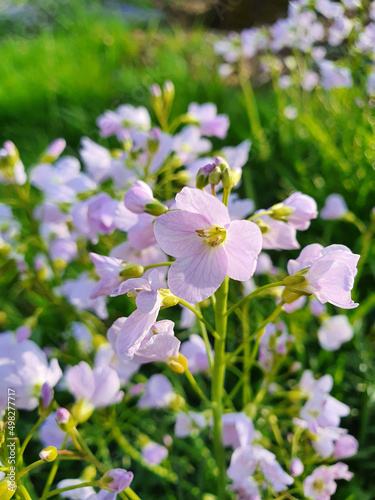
(238, 430)
(346, 446)
(304, 209)
(320, 485)
(334, 331)
(209, 122)
(334, 208)
(195, 352)
(329, 273)
(189, 423)
(154, 453)
(276, 234)
(158, 393)
(296, 467)
(108, 269)
(99, 387)
(159, 343)
(207, 245)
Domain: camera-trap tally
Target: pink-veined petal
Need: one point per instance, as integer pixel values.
(200, 202)
(197, 277)
(176, 233)
(132, 332)
(242, 245)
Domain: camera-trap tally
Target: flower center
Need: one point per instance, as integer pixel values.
(213, 236)
(318, 485)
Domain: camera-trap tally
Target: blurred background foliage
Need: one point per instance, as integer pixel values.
(64, 62)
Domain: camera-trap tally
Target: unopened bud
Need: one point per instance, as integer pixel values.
(178, 364)
(53, 151)
(221, 163)
(168, 91)
(226, 178)
(48, 454)
(116, 480)
(156, 208)
(182, 177)
(215, 176)
(132, 270)
(64, 419)
(281, 211)
(155, 90)
(167, 298)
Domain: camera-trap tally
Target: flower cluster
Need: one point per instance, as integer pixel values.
(117, 250)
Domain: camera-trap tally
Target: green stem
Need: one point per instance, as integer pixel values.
(130, 494)
(260, 214)
(203, 330)
(270, 318)
(218, 378)
(53, 471)
(199, 316)
(157, 265)
(253, 114)
(28, 437)
(31, 467)
(196, 387)
(73, 487)
(89, 456)
(254, 294)
(137, 457)
(246, 394)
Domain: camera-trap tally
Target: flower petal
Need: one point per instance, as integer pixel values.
(197, 277)
(176, 232)
(132, 332)
(242, 245)
(200, 202)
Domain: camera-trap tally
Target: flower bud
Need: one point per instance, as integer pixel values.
(168, 92)
(132, 270)
(116, 480)
(64, 419)
(167, 298)
(226, 178)
(296, 467)
(214, 176)
(178, 364)
(138, 196)
(203, 174)
(221, 163)
(280, 211)
(48, 454)
(9, 156)
(156, 208)
(155, 90)
(182, 177)
(154, 140)
(53, 151)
